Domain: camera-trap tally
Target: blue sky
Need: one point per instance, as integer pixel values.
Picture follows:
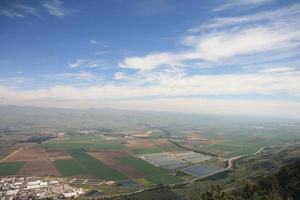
(222, 57)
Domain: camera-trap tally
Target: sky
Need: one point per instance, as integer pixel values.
(237, 57)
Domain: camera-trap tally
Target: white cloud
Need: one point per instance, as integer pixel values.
(119, 75)
(230, 4)
(278, 36)
(76, 63)
(242, 42)
(93, 41)
(56, 8)
(277, 70)
(71, 76)
(170, 84)
(151, 61)
(18, 11)
(85, 63)
(165, 88)
(222, 45)
(103, 44)
(102, 52)
(289, 14)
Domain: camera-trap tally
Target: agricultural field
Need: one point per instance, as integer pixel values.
(231, 149)
(69, 168)
(10, 168)
(36, 161)
(111, 158)
(95, 167)
(153, 174)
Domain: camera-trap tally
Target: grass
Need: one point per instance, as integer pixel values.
(95, 167)
(141, 165)
(84, 142)
(235, 149)
(184, 175)
(69, 168)
(170, 147)
(146, 150)
(10, 168)
(154, 174)
(143, 181)
(164, 179)
(226, 147)
(245, 151)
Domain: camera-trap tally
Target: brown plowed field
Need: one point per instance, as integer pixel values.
(29, 155)
(37, 162)
(111, 158)
(58, 155)
(162, 142)
(39, 168)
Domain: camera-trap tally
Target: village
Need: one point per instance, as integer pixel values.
(32, 187)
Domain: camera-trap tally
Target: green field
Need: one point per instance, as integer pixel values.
(156, 149)
(146, 150)
(153, 174)
(70, 168)
(84, 142)
(10, 168)
(141, 165)
(95, 167)
(228, 150)
(164, 179)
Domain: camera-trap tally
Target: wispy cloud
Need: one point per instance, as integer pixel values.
(82, 75)
(86, 63)
(92, 41)
(153, 7)
(56, 8)
(289, 13)
(225, 44)
(18, 11)
(277, 70)
(230, 4)
(103, 44)
(102, 52)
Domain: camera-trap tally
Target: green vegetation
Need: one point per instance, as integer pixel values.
(10, 168)
(153, 174)
(184, 175)
(146, 150)
(84, 142)
(228, 150)
(143, 166)
(70, 168)
(164, 179)
(95, 167)
(169, 147)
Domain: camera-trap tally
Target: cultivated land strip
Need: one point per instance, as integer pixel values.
(11, 154)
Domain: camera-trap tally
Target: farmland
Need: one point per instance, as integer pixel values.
(10, 168)
(117, 158)
(95, 167)
(154, 174)
(111, 158)
(69, 168)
